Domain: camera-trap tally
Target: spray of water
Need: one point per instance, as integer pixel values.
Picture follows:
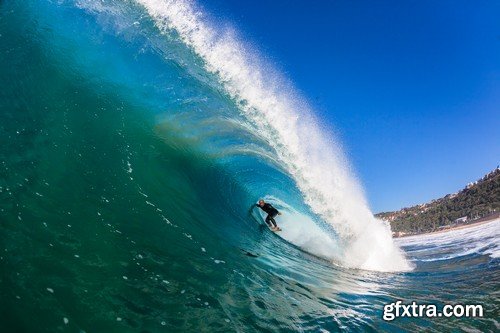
(281, 117)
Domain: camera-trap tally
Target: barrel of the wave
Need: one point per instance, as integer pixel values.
(287, 126)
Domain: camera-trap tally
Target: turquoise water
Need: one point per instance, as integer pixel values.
(127, 170)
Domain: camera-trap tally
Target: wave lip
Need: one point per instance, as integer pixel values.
(281, 117)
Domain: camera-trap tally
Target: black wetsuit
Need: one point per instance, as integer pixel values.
(271, 214)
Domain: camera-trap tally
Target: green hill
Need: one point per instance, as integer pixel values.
(476, 200)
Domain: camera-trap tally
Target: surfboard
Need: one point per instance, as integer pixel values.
(275, 229)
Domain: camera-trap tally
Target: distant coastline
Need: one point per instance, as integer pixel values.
(475, 223)
(476, 202)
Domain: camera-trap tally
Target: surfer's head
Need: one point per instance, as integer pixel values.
(261, 202)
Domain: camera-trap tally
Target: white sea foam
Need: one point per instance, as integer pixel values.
(299, 229)
(481, 239)
(281, 117)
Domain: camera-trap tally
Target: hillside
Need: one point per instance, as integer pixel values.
(476, 200)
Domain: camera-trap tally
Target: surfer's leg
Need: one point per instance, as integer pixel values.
(274, 221)
(269, 220)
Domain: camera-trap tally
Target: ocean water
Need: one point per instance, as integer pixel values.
(135, 137)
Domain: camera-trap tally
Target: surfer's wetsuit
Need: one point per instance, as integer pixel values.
(271, 214)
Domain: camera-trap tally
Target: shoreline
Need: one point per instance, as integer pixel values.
(458, 227)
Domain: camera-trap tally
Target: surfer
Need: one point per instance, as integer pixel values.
(271, 214)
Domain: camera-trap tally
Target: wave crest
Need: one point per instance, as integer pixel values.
(281, 117)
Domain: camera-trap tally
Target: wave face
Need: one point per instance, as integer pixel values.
(135, 136)
(283, 122)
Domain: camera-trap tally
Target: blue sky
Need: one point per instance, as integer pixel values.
(412, 88)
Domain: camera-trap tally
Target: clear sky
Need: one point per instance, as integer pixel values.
(412, 88)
